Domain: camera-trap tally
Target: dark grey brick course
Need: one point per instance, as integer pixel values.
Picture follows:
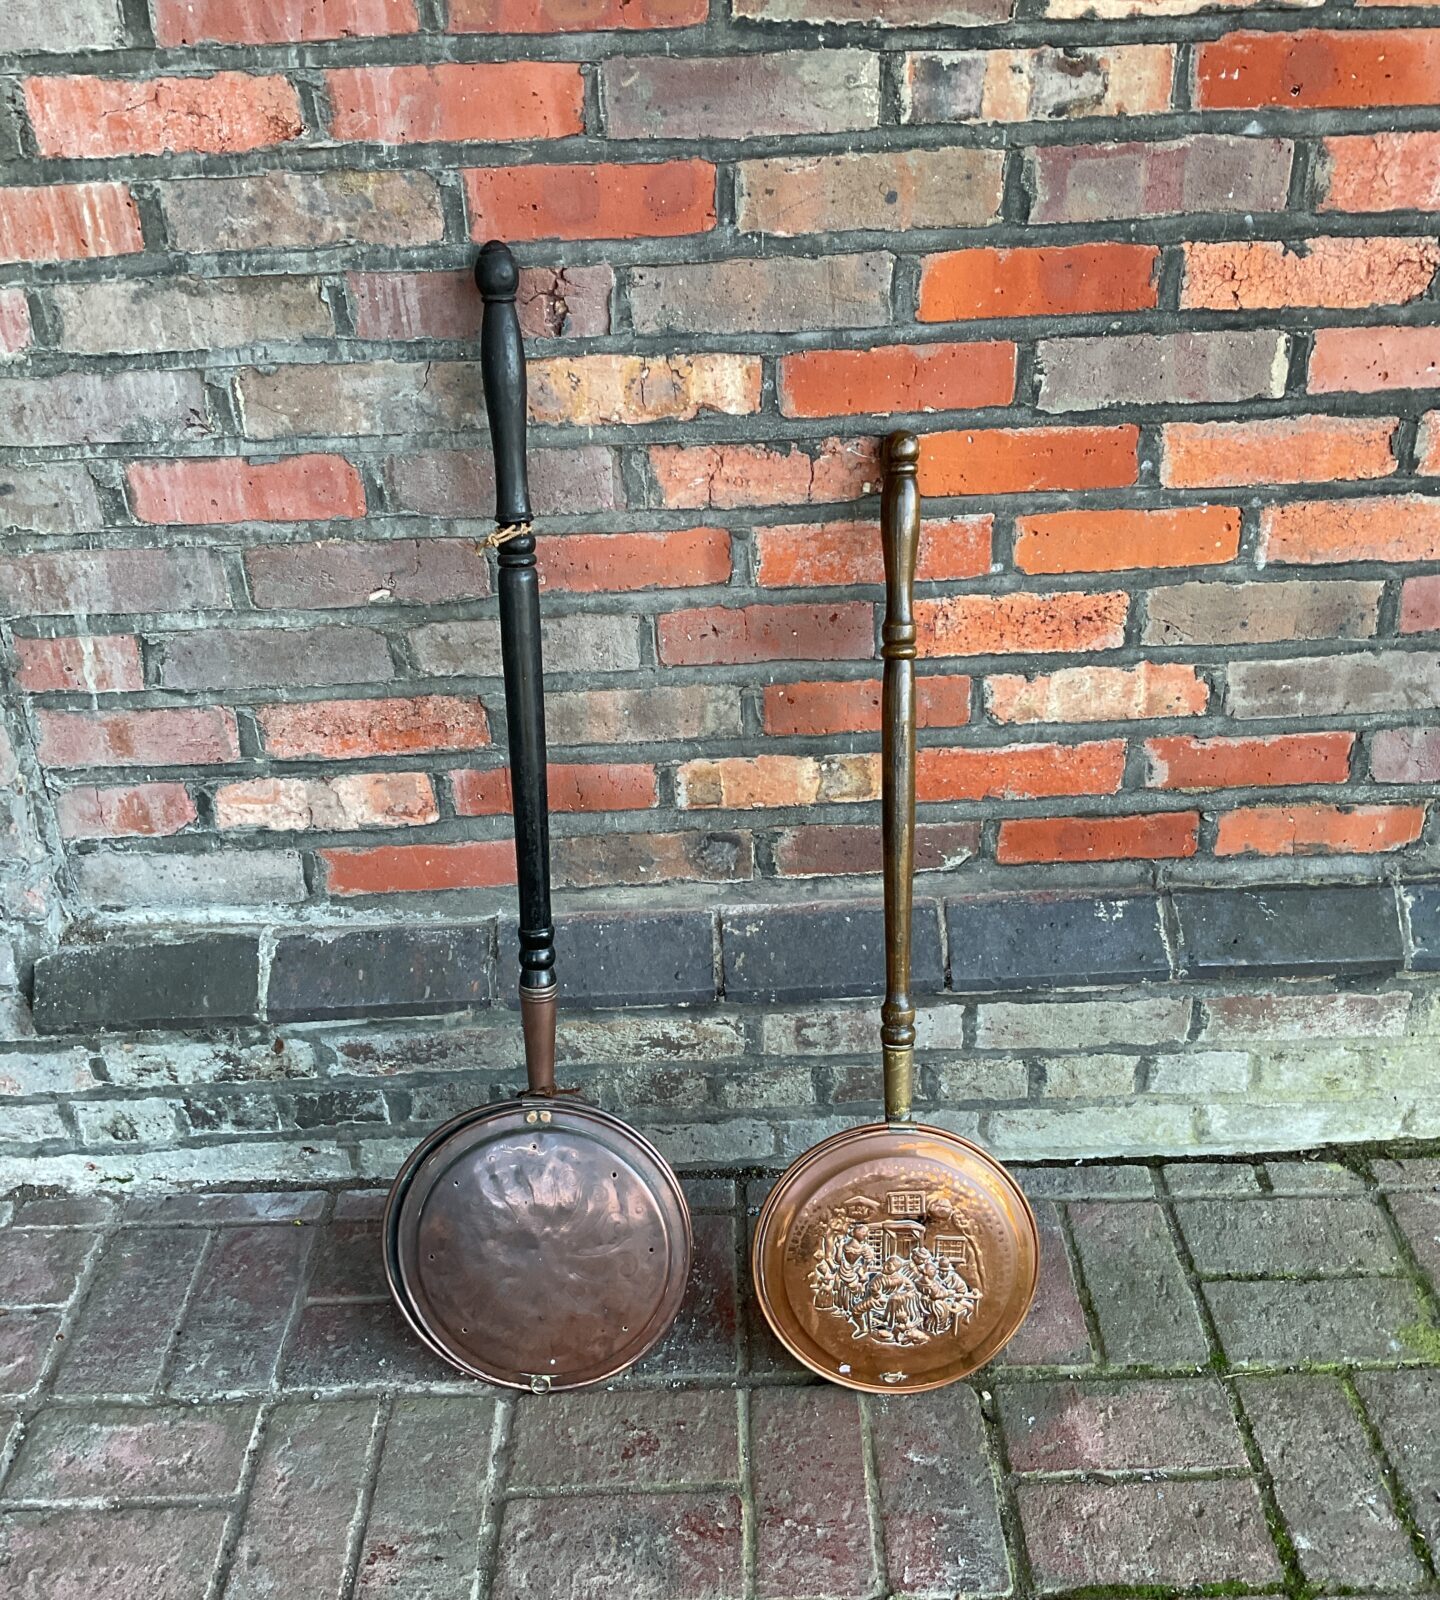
(197, 983)
(402, 970)
(812, 952)
(1035, 941)
(1290, 931)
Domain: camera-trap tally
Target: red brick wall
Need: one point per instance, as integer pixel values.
(1159, 290)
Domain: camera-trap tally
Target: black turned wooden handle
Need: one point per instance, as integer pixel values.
(900, 537)
(502, 371)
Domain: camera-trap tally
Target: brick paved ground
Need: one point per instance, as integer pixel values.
(1231, 1377)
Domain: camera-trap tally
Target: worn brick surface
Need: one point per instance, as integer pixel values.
(1350, 1319)
(111, 1555)
(1144, 1305)
(617, 1440)
(1401, 1404)
(1316, 1237)
(1119, 1427)
(40, 1267)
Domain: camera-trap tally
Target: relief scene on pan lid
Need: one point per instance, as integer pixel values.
(901, 1269)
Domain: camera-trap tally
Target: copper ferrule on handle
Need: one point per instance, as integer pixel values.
(900, 538)
(537, 1026)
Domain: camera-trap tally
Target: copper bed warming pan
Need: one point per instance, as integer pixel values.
(540, 1243)
(896, 1256)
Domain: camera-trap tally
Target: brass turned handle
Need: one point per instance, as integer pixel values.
(900, 539)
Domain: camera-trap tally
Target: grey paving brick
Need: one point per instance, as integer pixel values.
(1298, 1237)
(629, 1438)
(314, 1451)
(347, 1263)
(360, 1205)
(1210, 1178)
(1137, 1288)
(119, 1341)
(1404, 1407)
(237, 1320)
(1414, 1172)
(27, 1338)
(642, 1546)
(67, 1210)
(1176, 1533)
(1313, 1177)
(422, 1535)
(72, 1452)
(40, 1266)
(355, 1343)
(1419, 1218)
(1140, 1425)
(812, 1532)
(704, 1338)
(1054, 1331)
(938, 1504)
(109, 1555)
(1345, 1319)
(1328, 1484)
(1092, 1181)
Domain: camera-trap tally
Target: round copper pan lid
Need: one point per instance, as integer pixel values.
(895, 1256)
(540, 1244)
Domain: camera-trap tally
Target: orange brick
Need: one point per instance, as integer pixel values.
(647, 200)
(729, 475)
(420, 868)
(1382, 172)
(854, 707)
(1318, 532)
(1365, 360)
(142, 810)
(100, 664)
(1159, 835)
(710, 635)
(180, 22)
(572, 16)
(613, 563)
(68, 222)
(1019, 772)
(1022, 461)
(1263, 274)
(300, 489)
(1020, 624)
(1429, 446)
(222, 114)
(840, 553)
(1049, 281)
(1312, 830)
(749, 783)
(897, 377)
(1205, 455)
(589, 390)
(483, 101)
(1312, 69)
(1115, 541)
(1099, 694)
(174, 736)
(619, 786)
(338, 729)
(1183, 762)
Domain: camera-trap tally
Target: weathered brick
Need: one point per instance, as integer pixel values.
(67, 222)
(1285, 1016)
(1367, 360)
(144, 809)
(1146, 1312)
(1396, 67)
(209, 980)
(117, 879)
(742, 782)
(248, 658)
(366, 572)
(764, 295)
(182, 22)
(552, 302)
(597, 860)
(614, 563)
(613, 1440)
(1204, 173)
(1182, 762)
(1098, 694)
(178, 313)
(1063, 1025)
(1399, 1404)
(88, 582)
(813, 952)
(567, 16)
(1002, 461)
(361, 800)
(1260, 613)
(103, 408)
(168, 1554)
(889, 14)
(1405, 755)
(1164, 368)
(1315, 829)
(363, 397)
(824, 851)
(646, 958)
(197, 735)
(1054, 1333)
(838, 632)
(32, 26)
(71, 1453)
(659, 199)
(870, 191)
(1082, 1535)
(1201, 455)
(226, 113)
(854, 707)
(1427, 446)
(380, 971)
(630, 716)
(486, 101)
(1381, 172)
(16, 331)
(1111, 541)
(1420, 605)
(1036, 941)
(588, 642)
(302, 210)
(586, 390)
(338, 729)
(969, 625)
(56, 497)
(722, 475)
(738, 97)
(1284, 1323)
(40, 1268)
(1048, 281)
(1402, 528)
(1311, 1237)
(1293, 931)
(1319, 686)
(1137, 1426)
(1036, 85)
(84, 663)
(445, 483)
(1264, 274)
(929, 377)
(396, 869)
(1156, 836)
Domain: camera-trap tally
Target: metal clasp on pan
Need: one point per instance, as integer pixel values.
(539, 1382)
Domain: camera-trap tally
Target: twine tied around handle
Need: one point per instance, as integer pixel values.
(502, 535)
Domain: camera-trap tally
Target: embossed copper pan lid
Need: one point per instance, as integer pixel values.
(896, 1256)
